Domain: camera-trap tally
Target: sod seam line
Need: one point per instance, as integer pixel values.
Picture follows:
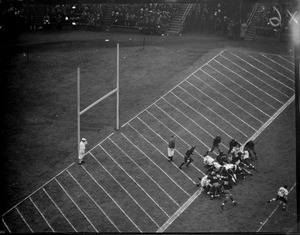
(47, 222)
(292, 71)
(222, 107)
(266, 220)
(251, 84)
(167, 143)
(93, 200)
(164, 157)
(190, 200)
(113, 200)
(247, 71)
(125, 190)
(145, 172)
(235, 93)
(136, 182)
(261, 71)
(59, 210)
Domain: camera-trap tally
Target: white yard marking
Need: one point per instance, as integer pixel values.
(261, 71)
(6, 226)
(225, 120)
(292, 71)
(60, 210)
(93, 201)
(36, 207)
(76, 205)
(258, 88)
(167, 143)
(222, 107)
(162, 155)
(235, 94)
(136, 182)
(155, 164)
(227, 99)
(24, 219)
(112, 199)
(287, 60)
(145, 172)
(125, 190)
(247, 71)
(266, 220)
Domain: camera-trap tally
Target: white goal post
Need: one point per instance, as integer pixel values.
(80, 112)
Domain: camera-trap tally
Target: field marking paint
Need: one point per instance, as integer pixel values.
(3, 221)
(179, 212)
(59, 210)
(244, 110)
(213, 112)
(167, 143)
(266, 220)
(24, 219)
(223, 107)
(292, 63)
(247, 71)
(146, 213)
(76, 205)
(154, 163)
(242, 87)
(136, 183)
(190, 200)
(164, 157)
(270, 67)
(36, 207)
(292, 71)
(145, 173)
(93, 200)
(173, 87)
(193, 120)
(261, 71)
(111, 198)
(233, 92)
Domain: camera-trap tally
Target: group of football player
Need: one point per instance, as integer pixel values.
(227, 168)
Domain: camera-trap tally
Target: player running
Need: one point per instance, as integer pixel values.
(171, 148)
(187, 158)
(216, 144)
(226, 190)
(281, 196)
(82, 147)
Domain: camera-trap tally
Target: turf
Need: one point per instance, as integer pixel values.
(40, 126)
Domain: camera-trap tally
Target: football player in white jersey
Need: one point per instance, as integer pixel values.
(281, 196)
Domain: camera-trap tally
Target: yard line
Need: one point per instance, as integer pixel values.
(222, 106)
(235, 93)
(125, 190)
(145, 173)
(250, 84)
(173, 88)
(202, 116)
(277, 63)
(256, 77)
(287, 60)
(136, 183)
(41, 214)
(24, 219)
(229, 100)
(161, 153)
(213, 112)
(111, 198)
(261, 71)
(155, 164)
(175, 149)
(76, 205)
(266, 220)
(269, 67)
(59, 210)
(93, 201)
(176, 136)
(6, 225)
(179, 211)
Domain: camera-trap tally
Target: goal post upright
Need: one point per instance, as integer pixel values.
(116, 90)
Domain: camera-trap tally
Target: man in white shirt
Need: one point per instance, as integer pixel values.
(282, 196)
(82, 147)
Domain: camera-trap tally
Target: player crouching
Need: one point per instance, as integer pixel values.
(281, 196)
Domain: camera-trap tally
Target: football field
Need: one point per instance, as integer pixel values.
(127, 183)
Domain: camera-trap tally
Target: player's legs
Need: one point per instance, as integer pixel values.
(189, 161)
(170, 154)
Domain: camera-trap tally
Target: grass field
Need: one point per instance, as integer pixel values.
(194, 86)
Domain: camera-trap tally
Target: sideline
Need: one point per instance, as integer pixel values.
(191, 199)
